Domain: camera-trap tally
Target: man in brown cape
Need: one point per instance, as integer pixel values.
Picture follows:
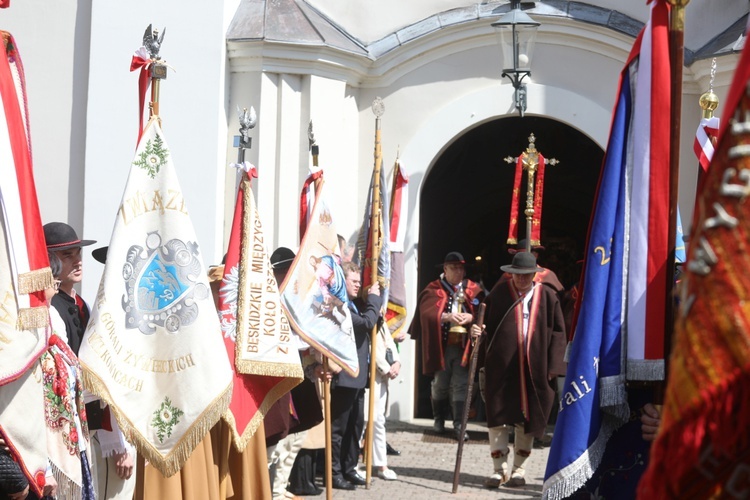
(521, 356)
(446, 305)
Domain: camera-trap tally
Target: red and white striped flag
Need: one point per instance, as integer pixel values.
(647, 244)
(708, 130)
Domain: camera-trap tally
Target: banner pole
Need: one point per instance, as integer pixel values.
(377, 107)
(327, 420)
(677, 57)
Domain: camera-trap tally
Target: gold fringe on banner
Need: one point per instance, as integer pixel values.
(254, 367)
(32, 317)
(168, 465)
(35, 281)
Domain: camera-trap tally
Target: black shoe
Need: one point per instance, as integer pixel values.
(355, 478)
(390, 450)
(458, 435)
(439, 426)
(339, 483)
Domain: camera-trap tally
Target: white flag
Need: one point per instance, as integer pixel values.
(153, 348)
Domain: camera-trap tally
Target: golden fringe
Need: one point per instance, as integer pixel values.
(258, 367)
(170, 464)
(32, 317)
(36, 280)
(240, 442)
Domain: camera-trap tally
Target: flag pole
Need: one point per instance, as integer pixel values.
(157, 70)
(377, 108)
(327, 420)
(315, 150)
(677, 57)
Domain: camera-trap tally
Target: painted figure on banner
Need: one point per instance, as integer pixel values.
(314, 291)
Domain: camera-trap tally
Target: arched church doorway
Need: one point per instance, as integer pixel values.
(466, 196)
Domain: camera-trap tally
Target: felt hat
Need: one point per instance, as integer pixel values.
(282, 258)
(453, 258)
(60, 236)
(521, 247)
(523, 263)
(100, 254)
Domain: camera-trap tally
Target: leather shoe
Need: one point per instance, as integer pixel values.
(355, 478)
(390, 450)
(339, 483)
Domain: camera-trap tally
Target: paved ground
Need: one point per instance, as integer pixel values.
(425, 467)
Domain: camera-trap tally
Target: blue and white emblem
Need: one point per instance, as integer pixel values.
(162, 286)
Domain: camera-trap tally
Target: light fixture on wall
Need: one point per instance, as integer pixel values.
(517, 34)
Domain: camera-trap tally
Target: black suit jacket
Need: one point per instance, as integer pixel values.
(365, 316)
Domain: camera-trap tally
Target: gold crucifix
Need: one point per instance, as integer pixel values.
(532, 161)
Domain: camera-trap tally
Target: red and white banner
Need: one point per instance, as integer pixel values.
(647, 244)
(395, 315)
(257, 334)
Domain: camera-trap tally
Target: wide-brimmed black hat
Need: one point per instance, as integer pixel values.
(100, 254)
(523, 263)
(521, 247)
(453, 258)
(282, 258)
(60, 236)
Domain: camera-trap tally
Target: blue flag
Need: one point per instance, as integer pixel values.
(593, 403)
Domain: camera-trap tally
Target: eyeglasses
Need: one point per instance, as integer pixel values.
(57, 284)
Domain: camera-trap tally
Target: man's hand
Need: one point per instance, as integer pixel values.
(50, 486)
(395, 368)
(464, 318)
(476, 330)
(650, 421)
(123, 465)
(322, 374)
(374, 289)
(400, 337)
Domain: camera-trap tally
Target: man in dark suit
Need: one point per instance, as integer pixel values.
(348, 393)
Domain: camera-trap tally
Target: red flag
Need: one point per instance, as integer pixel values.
(703, 445)
(307, 199)
(395, 315)
(257, 335)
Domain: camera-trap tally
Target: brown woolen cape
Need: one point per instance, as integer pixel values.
(499, 356)
(426, 326)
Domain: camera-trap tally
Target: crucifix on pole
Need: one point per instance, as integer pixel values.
(533, 162)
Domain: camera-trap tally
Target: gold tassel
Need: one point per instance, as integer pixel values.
(35, 281)
(33, 317)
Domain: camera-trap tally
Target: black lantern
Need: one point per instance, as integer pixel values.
(517, 34)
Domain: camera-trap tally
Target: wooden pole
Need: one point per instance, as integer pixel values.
(375, 221)
(327, 420)
(676, 49)
(467, 406)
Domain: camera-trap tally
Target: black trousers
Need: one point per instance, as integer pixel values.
(347, 424)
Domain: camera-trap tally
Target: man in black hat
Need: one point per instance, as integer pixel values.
(446, 309)
(521, 357)
(63, 240)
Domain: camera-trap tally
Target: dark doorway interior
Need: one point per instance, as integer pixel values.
(466, 197)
